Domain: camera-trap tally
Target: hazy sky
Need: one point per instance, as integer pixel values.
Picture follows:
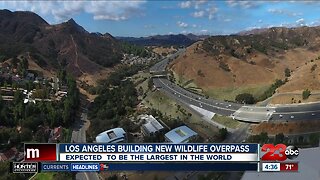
(144, 18)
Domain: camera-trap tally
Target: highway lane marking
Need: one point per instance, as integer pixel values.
(294, 105)
(86, 175)
(300, 112)
(253, 112)
(195, 99)
(275, 112)
(258, 107)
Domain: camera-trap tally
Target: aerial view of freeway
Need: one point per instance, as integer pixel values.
(110, 73)
(253, 114)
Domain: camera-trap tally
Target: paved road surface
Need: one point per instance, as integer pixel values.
(180, 94)
(161, 66)
(79, 136)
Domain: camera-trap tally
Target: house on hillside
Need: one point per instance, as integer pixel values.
(5, 65)
(30, 76)
(55, 135)
(9, 154)
(181, 134)
(55, 83)
(151, 126)
(116, 135)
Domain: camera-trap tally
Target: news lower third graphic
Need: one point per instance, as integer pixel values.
(158, 152)
(91, 157)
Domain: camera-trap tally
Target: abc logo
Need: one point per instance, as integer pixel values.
(292, 152)
(279, 152)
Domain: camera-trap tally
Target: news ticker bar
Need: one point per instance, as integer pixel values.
(142, 152)
(33, 167)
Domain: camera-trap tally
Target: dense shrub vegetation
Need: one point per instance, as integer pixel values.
(117, 97)
(245, 98)
(134, 49)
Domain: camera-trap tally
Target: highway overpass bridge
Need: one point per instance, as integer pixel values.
(253, 114)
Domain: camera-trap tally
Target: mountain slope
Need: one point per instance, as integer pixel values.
(224, 66)
(163, 40)
(68, 44)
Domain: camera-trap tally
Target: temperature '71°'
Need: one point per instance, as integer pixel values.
(289, 166)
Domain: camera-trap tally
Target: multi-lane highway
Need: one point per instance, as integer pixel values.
(161, 66)
(310, 111)
(187, 97)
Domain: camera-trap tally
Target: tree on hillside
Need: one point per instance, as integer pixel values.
(140, 91)
(1, 102)
(261, 138)
(264, 137)
(287, 72)
(306, 93)
(245, 98)
(134, 49)
(150, 83)
(279, 138)
(313, 67)
(223, 133)
(14, 61)
(314, 139)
